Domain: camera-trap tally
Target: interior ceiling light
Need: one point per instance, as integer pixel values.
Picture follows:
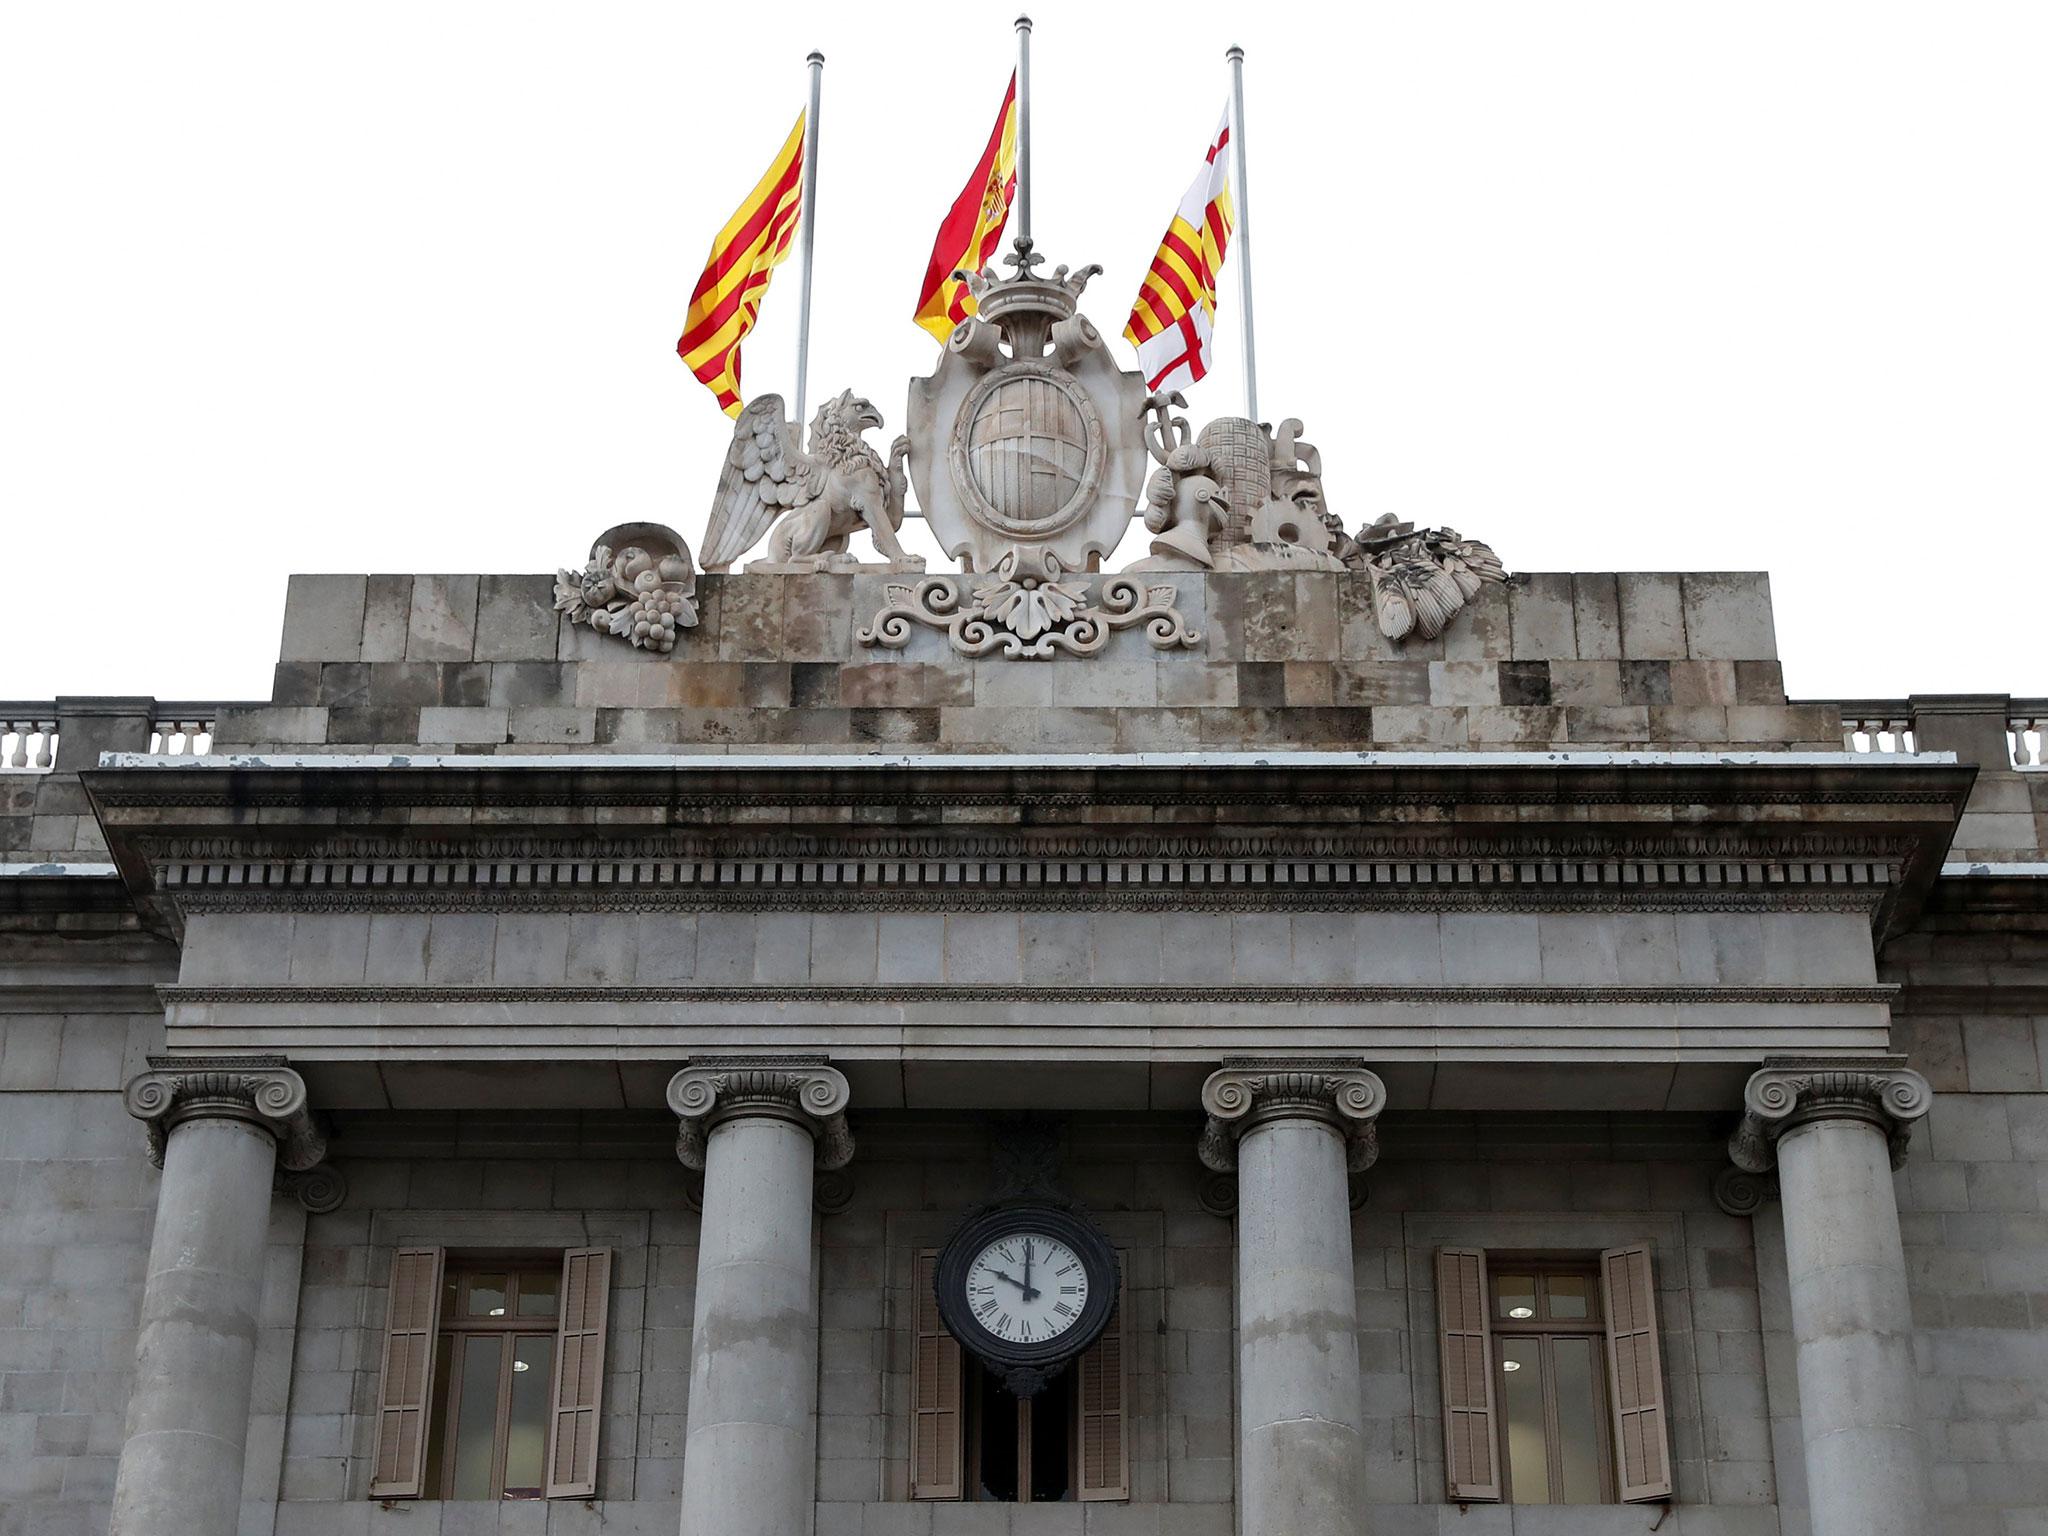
(1521, 1311)
(1511, 1365)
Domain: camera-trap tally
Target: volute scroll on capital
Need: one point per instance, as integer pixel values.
(803, 1089)
(261, 1090)
(1249, 1092)
(1787, 1093)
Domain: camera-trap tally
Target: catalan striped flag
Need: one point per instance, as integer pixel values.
(1175, 312)
(743, 257)
(973, 228)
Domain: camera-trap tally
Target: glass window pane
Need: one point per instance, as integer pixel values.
(1570, 1296)
(476, 1420)
(437, 1422)
(526, 1429)
(1521, 1408)
(537, 1292)
(1578, 1427)
(1514, 1296)
(486, 1296)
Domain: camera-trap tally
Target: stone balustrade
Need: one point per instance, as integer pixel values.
(28, 737)
(1892, 725)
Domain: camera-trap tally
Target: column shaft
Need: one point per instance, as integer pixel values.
(748, 1462)
(1866, 1455)
(1301, 1446)
(188, 1413)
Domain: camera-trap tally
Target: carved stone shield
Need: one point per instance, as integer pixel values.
(1028, 437)
(1027, 450)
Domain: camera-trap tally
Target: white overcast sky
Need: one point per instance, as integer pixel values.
(1637, 286)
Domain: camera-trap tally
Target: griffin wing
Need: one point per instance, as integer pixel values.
(765, 475)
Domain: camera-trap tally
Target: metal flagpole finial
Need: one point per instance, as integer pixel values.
(815, 59)
(1023, 23)
(1234, 54)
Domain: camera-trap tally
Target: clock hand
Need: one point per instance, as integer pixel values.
(1007, 1280)
(1029, 1293)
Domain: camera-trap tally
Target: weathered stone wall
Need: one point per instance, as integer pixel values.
(1973, 1202)
(463, 663)
(77, 1203)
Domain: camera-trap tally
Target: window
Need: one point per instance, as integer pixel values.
(493, 1375)
(971, 1440)
(1552, 1381)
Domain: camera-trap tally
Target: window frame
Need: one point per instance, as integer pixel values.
(1544, 1329)
(457, 1326)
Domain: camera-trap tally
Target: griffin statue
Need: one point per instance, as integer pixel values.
(822, 497)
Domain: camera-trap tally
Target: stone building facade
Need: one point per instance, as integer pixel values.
(515, 1080)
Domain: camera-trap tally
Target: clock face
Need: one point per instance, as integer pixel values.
(1027, 1288)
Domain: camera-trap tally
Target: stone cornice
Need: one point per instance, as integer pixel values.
(801, 1089)
(261, 1090)
(940, 992)
(1250, 1091)
(1788, 1092)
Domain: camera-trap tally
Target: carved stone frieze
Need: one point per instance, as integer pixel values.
(1790, 1092)
(1027, 608)
(802, 1089)
(1248, 1092)
(259, 1089)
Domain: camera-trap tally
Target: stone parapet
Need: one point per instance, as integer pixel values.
(1283, 659)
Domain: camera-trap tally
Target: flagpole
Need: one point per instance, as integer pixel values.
(1024, 129)
(807, 218)
(1241, 240)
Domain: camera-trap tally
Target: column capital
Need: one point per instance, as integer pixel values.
(1791, 1091)
(1250, 1091)
(802, 1089)
(261, 1090)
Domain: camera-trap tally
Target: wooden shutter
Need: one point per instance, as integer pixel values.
(406, 1392)
(935, 1386)
(1635, 1371)
(1471, 1457)
(579, 1373)
(1102, 1388)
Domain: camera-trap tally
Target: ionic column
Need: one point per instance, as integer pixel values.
(1294, 1131)
(758, 1129)
(1835, 1130)
(219, 1127)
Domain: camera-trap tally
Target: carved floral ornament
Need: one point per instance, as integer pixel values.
(1028, 448)
(1247, 1093)
(802, 1089)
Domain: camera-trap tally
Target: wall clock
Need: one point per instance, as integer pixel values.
(1026, 1289)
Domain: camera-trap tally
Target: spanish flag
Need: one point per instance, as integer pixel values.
(973, 229)
(1175, 312)
(745, 254)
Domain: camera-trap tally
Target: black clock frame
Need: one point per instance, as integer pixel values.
(1026, 1368)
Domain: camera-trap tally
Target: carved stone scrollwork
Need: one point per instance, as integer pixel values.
(259, 1089)
(1790, 1092)
(1250, 1092)
(1739, 1192)
(319, 1190)
(801, 1089)
(1028, 608)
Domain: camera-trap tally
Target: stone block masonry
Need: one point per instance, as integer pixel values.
(1286, 659)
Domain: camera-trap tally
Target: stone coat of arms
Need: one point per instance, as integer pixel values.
(1028, 437)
